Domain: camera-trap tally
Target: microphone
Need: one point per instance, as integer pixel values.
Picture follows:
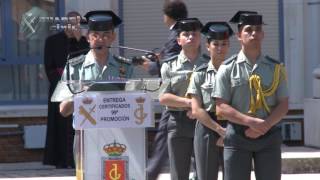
(122, 59)
(133, 49)
(135, 61)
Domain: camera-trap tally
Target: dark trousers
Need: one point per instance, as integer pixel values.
(265, 154)
(208, 156)
(180, 144)
(160, 148)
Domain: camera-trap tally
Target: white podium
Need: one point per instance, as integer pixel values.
(110, 141)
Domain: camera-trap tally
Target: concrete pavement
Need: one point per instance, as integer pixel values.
(283, 177)
(298, 163)
(55, 174)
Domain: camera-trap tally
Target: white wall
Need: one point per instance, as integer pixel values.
(312, 43)
(294, 50)
(302, 47)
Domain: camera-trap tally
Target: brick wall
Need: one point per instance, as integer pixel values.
(12, 143)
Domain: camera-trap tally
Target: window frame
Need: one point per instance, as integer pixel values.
(3, 32)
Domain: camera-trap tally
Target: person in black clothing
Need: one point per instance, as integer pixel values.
(172, 11)
(59, 139)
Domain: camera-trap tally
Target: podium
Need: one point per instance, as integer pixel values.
(110, 141)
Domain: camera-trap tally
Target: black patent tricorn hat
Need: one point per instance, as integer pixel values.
(247, 18)
(217, 30)
(188, 24)
(101, 20)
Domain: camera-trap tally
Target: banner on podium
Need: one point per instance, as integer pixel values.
(114, 154)
(113, 110)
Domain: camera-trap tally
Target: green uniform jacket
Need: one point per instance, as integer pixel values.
(86, 68)
(202, 85)
(176, 73)
(232, 85)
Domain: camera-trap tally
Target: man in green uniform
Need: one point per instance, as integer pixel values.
(175, 73)
(251, 93)
(208, 133)
(97, 64)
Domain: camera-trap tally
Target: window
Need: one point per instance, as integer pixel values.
(29, 31)
(22, 76)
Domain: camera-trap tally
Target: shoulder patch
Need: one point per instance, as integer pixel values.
(170, 58)
(272, 60)
(77, 60)
(230, 59)
(201, 68)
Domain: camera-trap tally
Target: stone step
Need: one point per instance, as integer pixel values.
(295, 159)
(300, 159)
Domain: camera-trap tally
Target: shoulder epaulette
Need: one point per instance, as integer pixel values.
(201, 67)
(272, 60)
(230, 59)
(170, 58)
(77, 60)
(206, 56)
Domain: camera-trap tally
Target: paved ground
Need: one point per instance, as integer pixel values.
(54, 174)
(284, 177)
(37, 171)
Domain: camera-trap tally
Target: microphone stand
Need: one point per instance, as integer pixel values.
(68, 66)
(135, 60)
(134, 49)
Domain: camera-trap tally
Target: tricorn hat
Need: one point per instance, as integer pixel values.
(101, 20)
(247, 18)
(188, 24)
(217, 30)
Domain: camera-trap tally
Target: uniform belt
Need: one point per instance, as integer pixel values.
(178, 112)
(214, 117)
